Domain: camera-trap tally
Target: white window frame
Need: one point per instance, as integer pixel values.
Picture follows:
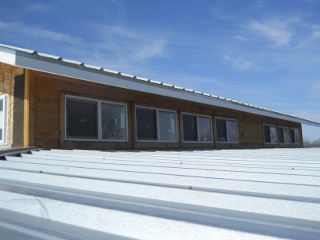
(295, 139)
(285, 143)
(158, 125)
(198, 135)
(264, 139)
(4, 127)
(99, 102)
(226, 119)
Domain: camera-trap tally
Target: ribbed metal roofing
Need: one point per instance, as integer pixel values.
(214, 194)
(34, 60)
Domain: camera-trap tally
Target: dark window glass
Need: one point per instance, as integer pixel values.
(221, 130)
(82, 120)
(267, 136)
(189, 128)
(113, 120)
(293, 139)
(232, 131)
(167, 126)
(205, 133)
(281, 135)
(146, 124)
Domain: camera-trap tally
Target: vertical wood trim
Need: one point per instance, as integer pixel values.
(28, 121)
(26, 108)
(32, 108)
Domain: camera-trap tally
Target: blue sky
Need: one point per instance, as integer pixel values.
(262, 52)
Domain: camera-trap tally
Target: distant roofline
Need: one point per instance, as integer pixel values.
(33, 60)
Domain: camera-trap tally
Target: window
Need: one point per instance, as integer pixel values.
(196, 128)
(295, 135)
(270, 134)
(227, 130)
(156, 125)
(3, 119)
(284, 135)
(96, 120)
(113, 121)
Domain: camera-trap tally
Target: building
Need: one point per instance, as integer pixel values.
(51, 102)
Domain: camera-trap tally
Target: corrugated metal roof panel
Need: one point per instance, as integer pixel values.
(203, 194)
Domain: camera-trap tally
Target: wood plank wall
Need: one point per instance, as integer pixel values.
(49, 115)
(8, 74)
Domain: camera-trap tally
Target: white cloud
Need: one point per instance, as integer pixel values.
(25, 32)
(259, 4)
(316, 34)
(241, 38)
(130, 44)
(239, 63)
(280, 33)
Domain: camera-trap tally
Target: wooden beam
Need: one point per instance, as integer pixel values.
(28, 123)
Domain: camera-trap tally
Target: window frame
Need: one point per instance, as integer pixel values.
(198, 128)
(226, 119)
(99, 122)
(284, 141)
(264, 138)
(157, 124)
(4, 140)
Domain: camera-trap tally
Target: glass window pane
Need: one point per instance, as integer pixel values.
(167, 125)
(113, 120)
(189, 128)
(221, 130)
(82, 120)
(205, 132)
(281, 135)
(286, 135)
(232, 129)
(293, 139)
(267, 137)
(146, 124)
(273, 134)
(297, 135)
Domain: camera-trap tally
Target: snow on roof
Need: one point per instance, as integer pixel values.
(213, 194)
(57, 65)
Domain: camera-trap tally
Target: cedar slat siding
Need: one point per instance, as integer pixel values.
(49, 116)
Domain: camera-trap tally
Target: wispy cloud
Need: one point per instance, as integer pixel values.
(259, 4)
(130, 44)
(37, 7)
(279, 33)
(25, 32)
(239, 63)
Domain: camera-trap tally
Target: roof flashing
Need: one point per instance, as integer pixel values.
(57, 65)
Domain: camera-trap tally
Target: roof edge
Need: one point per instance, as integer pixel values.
(57, 65)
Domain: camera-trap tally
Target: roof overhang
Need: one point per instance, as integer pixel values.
(56, 65)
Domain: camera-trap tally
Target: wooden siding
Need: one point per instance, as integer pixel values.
(49, 116)
(8, 74)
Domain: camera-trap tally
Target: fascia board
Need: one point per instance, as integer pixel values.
(8, 55)
(80, 72)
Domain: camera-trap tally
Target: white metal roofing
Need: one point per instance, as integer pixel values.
(214, 194)
(57, 65)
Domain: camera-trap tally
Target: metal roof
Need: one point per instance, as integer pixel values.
(213, 194)
(34, 60)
